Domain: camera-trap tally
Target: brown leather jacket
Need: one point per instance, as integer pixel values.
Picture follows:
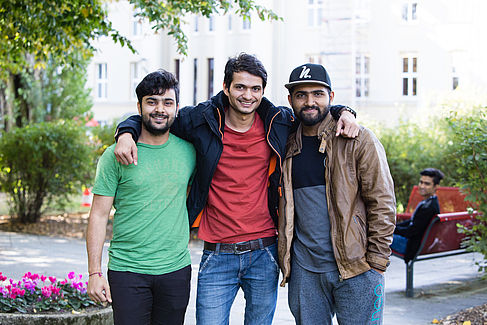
(360, 197)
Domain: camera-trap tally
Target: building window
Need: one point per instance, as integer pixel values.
(195, 81)
(210, 76)
(362, 72)
(134, 77)
(136, 23)
(196, 23)
(229, 22)
(409, 11)
(211, 23)
(246, 23)
(409, 76)
(176, 68)
(101, 81)
(315, 58)
(315, 13)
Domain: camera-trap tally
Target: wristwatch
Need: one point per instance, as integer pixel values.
(346, 108)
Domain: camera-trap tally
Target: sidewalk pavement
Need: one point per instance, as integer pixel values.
(443, 286)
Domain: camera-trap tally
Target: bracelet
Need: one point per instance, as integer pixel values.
(99, 274)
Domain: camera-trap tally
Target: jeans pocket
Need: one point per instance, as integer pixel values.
(205, 259)
(376, 273)
(272, 254)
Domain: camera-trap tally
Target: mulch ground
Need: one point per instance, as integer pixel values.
(475, 315)
(74, 226)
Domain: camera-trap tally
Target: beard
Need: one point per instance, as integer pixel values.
(156, 129)
(313, 120)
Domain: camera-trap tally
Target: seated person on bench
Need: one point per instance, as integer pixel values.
(408, 234)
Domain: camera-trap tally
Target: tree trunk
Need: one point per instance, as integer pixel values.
(9, 103)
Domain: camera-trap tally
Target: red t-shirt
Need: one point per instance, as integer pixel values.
(237, 208)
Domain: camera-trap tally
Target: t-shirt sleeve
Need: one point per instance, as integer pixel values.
(107, 174)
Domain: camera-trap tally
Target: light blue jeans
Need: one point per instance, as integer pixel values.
(315, 297)
(222, 274)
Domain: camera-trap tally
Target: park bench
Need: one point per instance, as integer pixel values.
(441, 237)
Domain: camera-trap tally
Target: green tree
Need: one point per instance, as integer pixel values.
(36, 32)
(43, 162)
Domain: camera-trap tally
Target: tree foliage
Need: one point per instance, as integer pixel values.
(42, 162)
(35, 31)
(168, 15)
(35, 34)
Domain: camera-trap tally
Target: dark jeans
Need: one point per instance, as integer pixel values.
(143, 299)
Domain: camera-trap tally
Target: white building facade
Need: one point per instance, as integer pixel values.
(385, 57)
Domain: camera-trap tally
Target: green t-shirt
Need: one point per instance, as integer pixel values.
(151, 226)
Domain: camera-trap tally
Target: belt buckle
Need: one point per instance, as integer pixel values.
(238, 252)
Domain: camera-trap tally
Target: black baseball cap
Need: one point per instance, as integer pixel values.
(309, 73)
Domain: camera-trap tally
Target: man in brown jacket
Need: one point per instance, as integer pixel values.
(337, 212)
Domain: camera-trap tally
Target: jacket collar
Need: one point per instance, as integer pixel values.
(295, 143)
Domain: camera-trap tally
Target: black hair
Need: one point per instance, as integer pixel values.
(244, 62)
(157, 83)
(436, 174)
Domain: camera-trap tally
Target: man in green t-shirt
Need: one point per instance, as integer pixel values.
(149, 268)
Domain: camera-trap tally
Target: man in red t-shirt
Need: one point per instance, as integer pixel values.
(233, 198)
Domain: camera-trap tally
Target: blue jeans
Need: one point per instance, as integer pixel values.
(222, 274)
(399, 243)
(315, 297)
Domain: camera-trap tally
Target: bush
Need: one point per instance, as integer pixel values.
(43, 162)
(103, 136)
(409, 149)
(469, 138)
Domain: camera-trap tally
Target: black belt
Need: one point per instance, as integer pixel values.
(242, 247)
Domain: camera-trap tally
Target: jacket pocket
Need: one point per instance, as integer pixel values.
(356, 240)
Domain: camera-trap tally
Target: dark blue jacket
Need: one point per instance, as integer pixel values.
(203, 126)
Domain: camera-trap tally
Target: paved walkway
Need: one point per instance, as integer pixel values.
(443, 286)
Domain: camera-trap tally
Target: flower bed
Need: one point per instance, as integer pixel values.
(38, 299)
(36, 293)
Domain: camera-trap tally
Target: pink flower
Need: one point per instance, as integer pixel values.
(52, 279)
(46, 291)
(43, 278)
(71, 275)
(56, 290)
(14, 292)
(64, 281)
(2, 277)
(27, 275)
